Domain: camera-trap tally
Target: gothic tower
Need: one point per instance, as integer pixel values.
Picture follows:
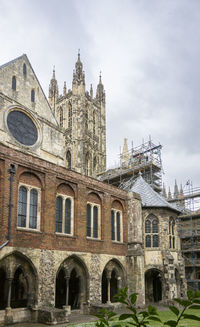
(82, 119)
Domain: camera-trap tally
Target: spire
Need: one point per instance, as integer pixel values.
(53, 90)
(176, 192)
(181, 190)
(78, 74)
(169, 195)
(164, 191)
(64, 89)
(91, 91)
(125, 155)
(100, 93)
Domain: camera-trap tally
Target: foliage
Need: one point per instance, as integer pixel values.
(145, 318)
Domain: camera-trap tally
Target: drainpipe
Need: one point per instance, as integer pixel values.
(12, 172)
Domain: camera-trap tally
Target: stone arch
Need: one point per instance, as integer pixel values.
(113, 278)
(153, 285)
(73, 274)
(65, 188)
(94, 198)
(118, 205)
(21, 280)
(25, 176)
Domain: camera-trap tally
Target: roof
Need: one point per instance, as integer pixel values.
(149, 197)
(11, 61)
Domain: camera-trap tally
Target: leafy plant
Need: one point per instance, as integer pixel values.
(144, 318)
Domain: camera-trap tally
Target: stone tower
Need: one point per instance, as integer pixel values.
(82, 119)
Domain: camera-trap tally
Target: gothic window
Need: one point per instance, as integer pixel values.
(28, 209)
(70, 115)
(64, 214)
(116, 225)
(61, 117)
(171, 233)
(151, 232)
(94, 164)
(14, 83)
(93, 220)
(94, 123)
(32, 95)
(24, 69)
(69, 159)
(87, 164)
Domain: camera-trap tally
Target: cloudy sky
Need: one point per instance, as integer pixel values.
(148, 52)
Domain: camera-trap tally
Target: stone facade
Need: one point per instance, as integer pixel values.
(69, 241)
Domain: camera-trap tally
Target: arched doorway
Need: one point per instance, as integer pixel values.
(72, 284)
(74, 290)
(19, 290)
(113, 278)
(60, 289)
(18, 281)
(153, 285)
(3, 289)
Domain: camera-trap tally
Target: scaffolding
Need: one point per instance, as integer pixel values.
(189, 232)
(145, 158)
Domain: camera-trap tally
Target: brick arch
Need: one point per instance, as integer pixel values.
(65, 188)
(30, 178)
(94, 198)
(118, 205)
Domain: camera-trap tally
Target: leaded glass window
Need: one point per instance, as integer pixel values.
(70, 116)
(33, 209)
(112, 225)
(22, 207)
(24, 69)
(32, 95)
(14, 83)
(59, 212)
(68, 216)
(95, 221)
(88, 220)
(171, 233)
(116, 225)
(151, 231)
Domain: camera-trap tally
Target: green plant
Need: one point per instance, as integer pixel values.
(144, 318)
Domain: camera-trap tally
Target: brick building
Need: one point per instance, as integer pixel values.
(67, 240)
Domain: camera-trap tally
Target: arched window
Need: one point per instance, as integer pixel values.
(28, 209)
(14, 83)
(87, 164)
(32, 95)
(69, 160)
(64, 214)
(94, 123)
(61, 117)
(93, 219)
(116, 225)
(171, 233)
(24, 70)
(70, 115)
(94, 164)
(151, 232)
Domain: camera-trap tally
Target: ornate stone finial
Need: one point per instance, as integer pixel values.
(100, 82)
(164, 191)
(125, 155)
(91, 91)
(78, 74)
(53, 90)
(64, 89)
(169, 195)
(100, 93)
(176, 192)
(181, 190)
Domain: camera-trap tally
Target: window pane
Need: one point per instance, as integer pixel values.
(147, 226)
(173, 242)
(33, 209)
(59, 206)
(148, 241)
(155, 226)
(170, 242)
(155, 241)
(112, 225)
(118, 226)
(14, 83)
(88, 220)
(22, 206)
(68, 216)
(95, 221)
(173, 225)
(32, 96)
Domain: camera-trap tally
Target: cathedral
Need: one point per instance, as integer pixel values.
(69, 241)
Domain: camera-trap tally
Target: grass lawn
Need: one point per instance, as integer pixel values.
(164, 316)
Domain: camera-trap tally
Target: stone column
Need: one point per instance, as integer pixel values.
(8, 319)
(67, 290)
(108, 282)
(9, 291)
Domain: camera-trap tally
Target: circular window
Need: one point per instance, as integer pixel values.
(22, 127)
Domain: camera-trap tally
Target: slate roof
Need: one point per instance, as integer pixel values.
(149, 197)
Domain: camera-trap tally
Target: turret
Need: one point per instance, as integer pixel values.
(78, 84)
(176, 192)
(65, 89)
(53, 91)
(169, 195)
(100, 93)
(125, 155)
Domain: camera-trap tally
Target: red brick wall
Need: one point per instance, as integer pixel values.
(53, 179)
